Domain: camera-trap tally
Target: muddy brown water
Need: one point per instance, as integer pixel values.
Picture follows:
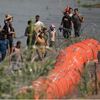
(50, 12)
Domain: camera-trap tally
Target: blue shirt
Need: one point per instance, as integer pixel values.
(3, 46)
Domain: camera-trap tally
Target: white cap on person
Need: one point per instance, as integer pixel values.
(52, 26)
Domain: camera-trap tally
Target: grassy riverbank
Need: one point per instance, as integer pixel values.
(12, 81)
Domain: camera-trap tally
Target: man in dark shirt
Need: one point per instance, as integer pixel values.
(9, 31)
(30, 34)
(67, 25)
(77, 20)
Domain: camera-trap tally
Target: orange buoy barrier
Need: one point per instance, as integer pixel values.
(68, 68)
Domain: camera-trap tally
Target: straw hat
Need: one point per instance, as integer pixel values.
(8, 17)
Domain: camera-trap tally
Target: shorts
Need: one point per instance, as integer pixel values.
(41, 51)
(10, 43)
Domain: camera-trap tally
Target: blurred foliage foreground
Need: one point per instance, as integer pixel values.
(12, 80)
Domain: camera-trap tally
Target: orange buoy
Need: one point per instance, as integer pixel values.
(69, 66)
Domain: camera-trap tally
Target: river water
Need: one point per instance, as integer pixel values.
(49, 10)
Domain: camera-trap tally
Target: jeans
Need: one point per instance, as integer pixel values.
(2, 56)
(77, 30)
(66, 33)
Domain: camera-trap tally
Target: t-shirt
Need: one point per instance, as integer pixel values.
(9, 30)
(39, 23)
(3, 46)
(66, 21)
(53, 35)
(38, 26)
(76, 20)
(71, 14)
(29, 30)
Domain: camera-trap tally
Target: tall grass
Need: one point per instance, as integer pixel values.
(11, 81)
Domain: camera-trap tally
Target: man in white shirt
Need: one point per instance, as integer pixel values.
(38, 24)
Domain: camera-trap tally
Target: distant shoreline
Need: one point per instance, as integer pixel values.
(91, 5)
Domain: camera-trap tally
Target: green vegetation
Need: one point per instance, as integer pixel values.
(78, 1)
(87, 84)
(12, 81)
(83, 87)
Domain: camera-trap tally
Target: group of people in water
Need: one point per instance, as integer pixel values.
(38, 34)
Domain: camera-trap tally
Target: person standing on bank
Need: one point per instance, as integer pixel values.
(66, 25)
(41, 43)
(52, 36)
(38, 25)
(77, 20)
(30, 34)
(9, 30)
(16, 58)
